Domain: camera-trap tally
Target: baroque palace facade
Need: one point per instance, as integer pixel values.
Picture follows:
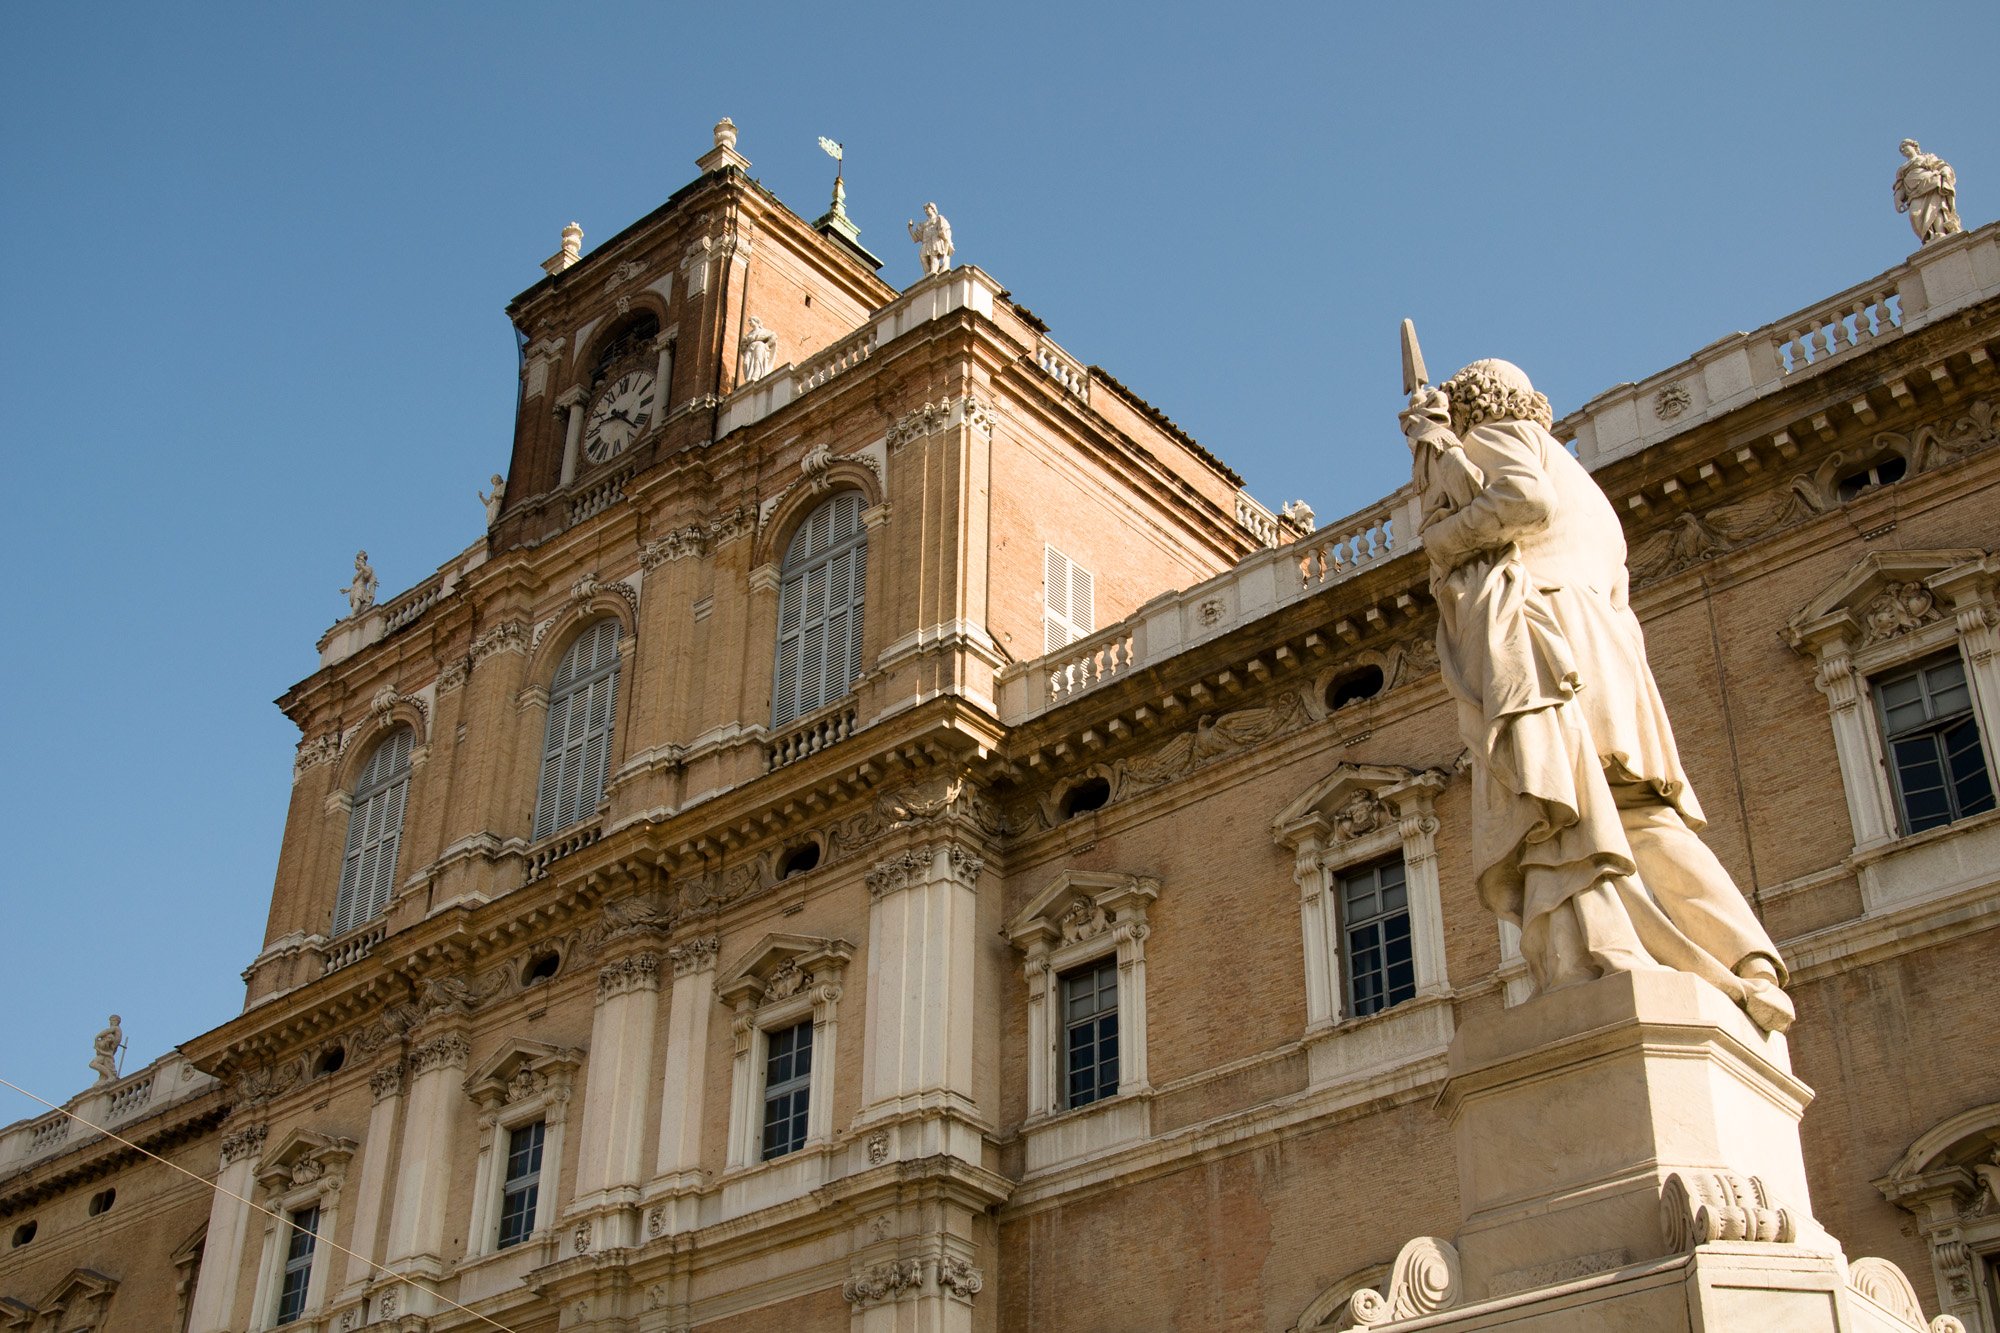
(883, 833)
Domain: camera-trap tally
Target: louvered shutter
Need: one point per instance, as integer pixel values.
(821, 589)
(576, 747)
(374, 831)
(1069, 599)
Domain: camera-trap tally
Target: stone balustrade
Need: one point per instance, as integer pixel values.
(412, 604)
(1935, 283)
(353, 947)
(28, 1143)
(555, 849)
(1176, 621)
(811, 736)
(835, 360)
(598, 497)
(1063, 368)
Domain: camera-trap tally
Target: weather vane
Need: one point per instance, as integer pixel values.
(834, 151)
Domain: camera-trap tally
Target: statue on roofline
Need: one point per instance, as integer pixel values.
(933, 238)
(106, 1045)
(1584, 826)
(360, 594)
(1927, 189)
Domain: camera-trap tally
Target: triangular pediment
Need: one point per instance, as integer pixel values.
(1073, 891)
(781, 959)
(1354, 799)
(1881, 588)
(521, 1068)
(302, 1157)
(299, 1144)
(83, 1285)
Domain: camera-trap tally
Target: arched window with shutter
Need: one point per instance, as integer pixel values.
(576, 749)
(819, 609)
(374, 830)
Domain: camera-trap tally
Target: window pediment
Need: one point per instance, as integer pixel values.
(304, 1158)
(782, 966)
(1078, 906)
(1891, 595)
(1356, 802)
(522, 1070)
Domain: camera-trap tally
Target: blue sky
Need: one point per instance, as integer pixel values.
(261, 253)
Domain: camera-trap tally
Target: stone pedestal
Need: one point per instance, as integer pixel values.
(1628, 1158)
(1570, 1113)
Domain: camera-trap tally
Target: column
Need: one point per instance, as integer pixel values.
(228, 1231)
(427, 1164)
(922, 942)
(377, 1156)
(663, 379)
(571, 402)
(615, 1091)
(678, 1175)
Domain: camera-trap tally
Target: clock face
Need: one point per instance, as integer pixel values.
(619, 416)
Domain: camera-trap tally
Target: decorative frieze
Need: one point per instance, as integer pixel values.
(694, 955)
(314, 751)
(959, 1278)
(731, 524)
(509, 636)
(1897, 609)
(884, 1282)
(683, 543)
(449, 1051)
(638, 971)
(1671, 401)
(453, 674)
(245, 1142)
(387, 1081)
(933, 417)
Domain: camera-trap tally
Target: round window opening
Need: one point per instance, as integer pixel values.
(330, 1062)
(1087, 795)
(798, 860)
(101, 1201)
(1351, 687)
(25, 1233)
(541, 967)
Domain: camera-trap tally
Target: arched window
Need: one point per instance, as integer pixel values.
(819, 609)
(576, 750)
(374, 829)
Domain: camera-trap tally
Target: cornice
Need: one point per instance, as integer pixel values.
(166, 1128)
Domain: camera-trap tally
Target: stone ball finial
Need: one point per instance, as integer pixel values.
(725, 133)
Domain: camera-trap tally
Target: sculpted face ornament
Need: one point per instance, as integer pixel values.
(1583, 820)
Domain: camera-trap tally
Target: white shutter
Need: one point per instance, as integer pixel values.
(1069, 595)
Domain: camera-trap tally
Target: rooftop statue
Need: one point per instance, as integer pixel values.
(494, 499)
(1927, 189)
(360, 594)
(933, 238)
(760, 347)
(106, 1044)
(1583, 820)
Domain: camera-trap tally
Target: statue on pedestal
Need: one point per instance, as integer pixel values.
(1583, 820)
(494, 499)
(933, 238)
(106, 1044)
(360, 594)
(1927, 189)
(760, 347)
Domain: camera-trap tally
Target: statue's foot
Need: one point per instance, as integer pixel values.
(1763, 999)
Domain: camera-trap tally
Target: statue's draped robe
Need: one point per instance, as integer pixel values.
(1538, 644)
(1927, 187)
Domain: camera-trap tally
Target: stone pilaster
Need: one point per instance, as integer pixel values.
(678, 1177)
(616, 1088)
(229, 1216)
(434, 1103)
(371, 1196)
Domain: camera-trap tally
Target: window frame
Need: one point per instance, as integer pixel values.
(521, 1084)
(528, 1183)
(1348, 926)
(549, 795)
(777, 1095)
(304, 1171)
(293, 1264)
(1078, 921)
(349, 913)
(1889, 612)
(1934, 728)
(786, 981)
(1060, 626)
(1095, 974)
(1357, 816)
(795, 568)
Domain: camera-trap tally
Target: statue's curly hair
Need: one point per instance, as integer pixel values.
(1494, 391)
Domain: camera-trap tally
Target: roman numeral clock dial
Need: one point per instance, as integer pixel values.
(619, 416)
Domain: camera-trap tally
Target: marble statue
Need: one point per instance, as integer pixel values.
(760, 348)
(933, 238)
(360, 594)
(494, 498)
(1583, 820)
(1927, 189)
(106, 1044)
